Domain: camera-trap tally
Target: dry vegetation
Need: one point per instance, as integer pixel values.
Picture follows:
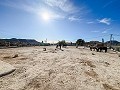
(54, 69)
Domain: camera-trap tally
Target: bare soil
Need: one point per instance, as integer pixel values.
(66, 69)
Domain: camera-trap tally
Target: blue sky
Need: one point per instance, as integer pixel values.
(60, 19)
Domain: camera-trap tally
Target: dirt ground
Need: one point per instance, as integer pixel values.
(67, 69)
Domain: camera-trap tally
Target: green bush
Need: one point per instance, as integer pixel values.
(63, 43)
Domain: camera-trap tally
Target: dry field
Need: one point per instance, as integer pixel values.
(67, 69)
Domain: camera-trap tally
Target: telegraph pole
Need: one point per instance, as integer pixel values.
(111, 39)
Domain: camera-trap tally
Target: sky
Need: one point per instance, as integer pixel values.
(60, 19)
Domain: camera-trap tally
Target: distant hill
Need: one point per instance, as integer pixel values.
(18, 42)
(114, 42)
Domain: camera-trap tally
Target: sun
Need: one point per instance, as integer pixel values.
(45, 16)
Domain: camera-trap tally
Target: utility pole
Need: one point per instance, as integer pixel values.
(46, 40)
(111, 39)
(102, 40)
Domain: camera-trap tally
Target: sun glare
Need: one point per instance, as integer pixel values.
(46, 16)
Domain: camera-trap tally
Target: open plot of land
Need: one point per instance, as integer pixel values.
(67, 69)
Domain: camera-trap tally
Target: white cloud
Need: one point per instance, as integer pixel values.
(90, 22)
(63, 5)
(52, 41)
(59, 9)
(109, 3)
(73, 18)
(106, 30)
(65, 8)
(105, 21)
(95, 31)
(22, 5)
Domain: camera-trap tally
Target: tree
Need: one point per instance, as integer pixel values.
(80, 42)
(62, 43)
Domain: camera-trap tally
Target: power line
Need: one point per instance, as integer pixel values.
(111, 39)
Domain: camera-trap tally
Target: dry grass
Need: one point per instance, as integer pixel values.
(108, 87)
(71, 69)
(38, 83)
(91, 73)
(7, 57)
(23, 58)
(89, 63)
